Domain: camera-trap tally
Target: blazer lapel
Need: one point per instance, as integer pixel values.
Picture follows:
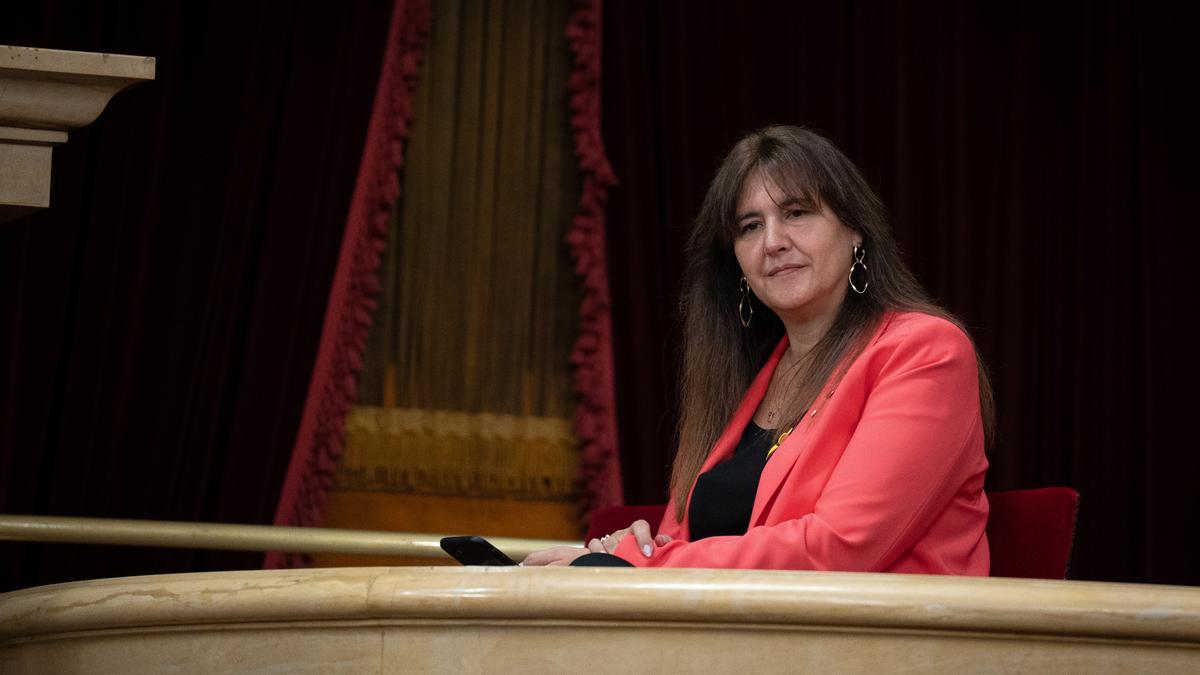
(780, 465)
(791, 450)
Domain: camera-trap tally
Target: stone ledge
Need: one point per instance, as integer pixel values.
(481, 620)
(44, 93)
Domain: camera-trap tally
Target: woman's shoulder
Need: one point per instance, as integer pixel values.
(921, 331)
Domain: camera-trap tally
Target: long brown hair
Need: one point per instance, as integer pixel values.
(720, 357)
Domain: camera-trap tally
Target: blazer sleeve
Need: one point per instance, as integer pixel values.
(918, 440)
(670, 526)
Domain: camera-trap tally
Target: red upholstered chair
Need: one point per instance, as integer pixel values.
(612, 518)
(1029, 531)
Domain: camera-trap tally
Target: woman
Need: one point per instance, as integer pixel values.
(832, 416)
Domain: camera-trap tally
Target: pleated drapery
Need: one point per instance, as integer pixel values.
(466, 389)
(355, 287)
(470, 368)
(161, 319)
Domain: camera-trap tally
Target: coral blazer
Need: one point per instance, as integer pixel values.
(885, 473)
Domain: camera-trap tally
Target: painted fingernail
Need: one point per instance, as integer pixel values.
(646, 549)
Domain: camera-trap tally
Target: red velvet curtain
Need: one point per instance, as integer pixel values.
(161, 318)
(333, 390)
(353, 296)
(1036, 158)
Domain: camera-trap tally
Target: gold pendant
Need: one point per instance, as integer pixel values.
(782, 438)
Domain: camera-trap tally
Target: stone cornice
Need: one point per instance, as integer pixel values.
(44, 93)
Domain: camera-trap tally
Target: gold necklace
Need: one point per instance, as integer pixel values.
(776, 382)
(773, 412)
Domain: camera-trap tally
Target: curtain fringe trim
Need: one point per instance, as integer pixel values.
(354, 294)
(595, 421)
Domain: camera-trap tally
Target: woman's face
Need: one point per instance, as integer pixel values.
(795, 256)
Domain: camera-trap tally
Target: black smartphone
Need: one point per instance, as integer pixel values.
(475, 551)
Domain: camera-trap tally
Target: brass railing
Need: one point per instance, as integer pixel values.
(170, 534)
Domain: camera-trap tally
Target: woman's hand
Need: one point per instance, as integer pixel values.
(640, 530)
(553, 556)
(565, 555)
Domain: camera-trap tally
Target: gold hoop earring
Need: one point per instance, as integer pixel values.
(745, 307)
(860, 268)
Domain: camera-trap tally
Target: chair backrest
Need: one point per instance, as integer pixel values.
(1029, 532)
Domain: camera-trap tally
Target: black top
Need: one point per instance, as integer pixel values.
(724, 495)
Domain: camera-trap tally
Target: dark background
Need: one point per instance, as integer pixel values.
(162, 317)
(160, 320)
(1037, 158)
